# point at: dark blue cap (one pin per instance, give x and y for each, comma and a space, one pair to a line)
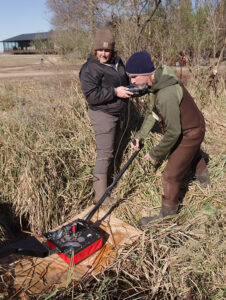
140, 63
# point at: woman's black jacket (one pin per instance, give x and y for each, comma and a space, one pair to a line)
98, 81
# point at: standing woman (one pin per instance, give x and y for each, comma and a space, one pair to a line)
103, 79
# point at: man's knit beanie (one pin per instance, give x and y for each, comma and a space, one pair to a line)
103, 40
140, 63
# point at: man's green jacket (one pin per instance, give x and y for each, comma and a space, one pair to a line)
167, 102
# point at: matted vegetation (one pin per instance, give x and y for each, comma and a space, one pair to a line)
47, 157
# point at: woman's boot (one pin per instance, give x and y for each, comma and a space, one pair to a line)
100, 186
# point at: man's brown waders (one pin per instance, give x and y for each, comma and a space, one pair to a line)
186, 152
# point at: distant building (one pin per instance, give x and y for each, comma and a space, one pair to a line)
29, 43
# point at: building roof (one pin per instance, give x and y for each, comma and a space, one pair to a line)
30, 37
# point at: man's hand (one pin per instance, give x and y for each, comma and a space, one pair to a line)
123, 92
136, 147
148, 157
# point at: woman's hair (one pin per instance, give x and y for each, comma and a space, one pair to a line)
114, 54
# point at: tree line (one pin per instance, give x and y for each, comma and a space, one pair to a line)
164, 28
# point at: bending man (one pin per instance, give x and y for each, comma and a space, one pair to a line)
181, 122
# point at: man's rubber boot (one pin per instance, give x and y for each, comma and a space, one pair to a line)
165, 211
100, 186
203, 177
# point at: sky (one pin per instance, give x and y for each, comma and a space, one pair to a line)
23, 16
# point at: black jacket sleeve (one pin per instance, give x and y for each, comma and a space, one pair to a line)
91, 81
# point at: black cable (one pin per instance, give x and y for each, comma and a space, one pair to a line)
119, 144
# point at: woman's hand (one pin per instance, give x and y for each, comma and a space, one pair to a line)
123, 92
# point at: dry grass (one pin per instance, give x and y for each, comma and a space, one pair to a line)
47, 157
3, 236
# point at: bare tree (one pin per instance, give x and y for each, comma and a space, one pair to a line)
215, 12
129, 20
163, 27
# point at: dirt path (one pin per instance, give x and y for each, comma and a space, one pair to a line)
36, 73
31, 70
15, 72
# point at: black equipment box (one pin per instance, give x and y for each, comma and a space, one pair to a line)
76, 241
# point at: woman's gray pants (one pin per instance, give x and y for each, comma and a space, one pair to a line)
106, 129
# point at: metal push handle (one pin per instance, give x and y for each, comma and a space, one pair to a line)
114, 183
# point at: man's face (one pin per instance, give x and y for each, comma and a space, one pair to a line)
103, 55
142, 80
